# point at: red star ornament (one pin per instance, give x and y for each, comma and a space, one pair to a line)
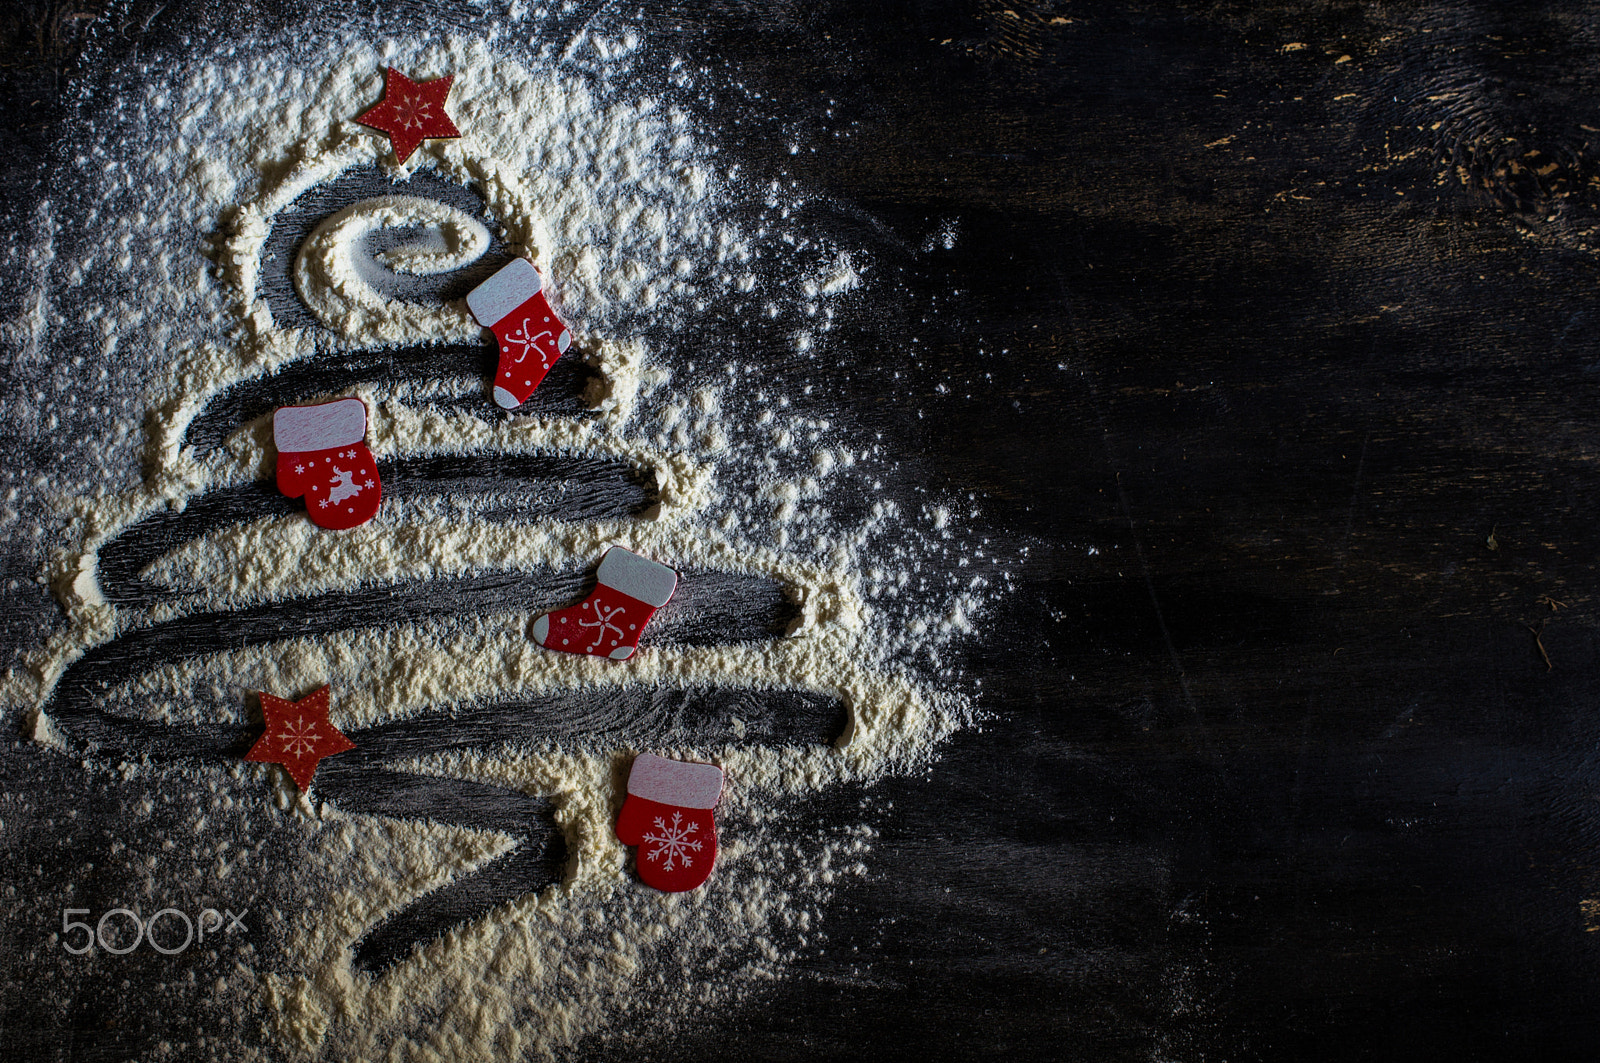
411, 112
298, 735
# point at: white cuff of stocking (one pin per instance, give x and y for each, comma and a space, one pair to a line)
512, 285
649, 581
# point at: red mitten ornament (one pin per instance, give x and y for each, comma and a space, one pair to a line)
668, 816
322, 454
512, 305
609, 622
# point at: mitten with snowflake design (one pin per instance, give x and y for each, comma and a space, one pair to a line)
322, 454
512, 305
609, 622
668, 815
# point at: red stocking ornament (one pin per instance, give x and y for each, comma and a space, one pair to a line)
322, 454
512, 305
609, 622
668, 816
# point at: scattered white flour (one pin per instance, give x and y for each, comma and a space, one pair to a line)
590, 164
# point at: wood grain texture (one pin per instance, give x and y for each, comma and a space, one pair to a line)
1267, 329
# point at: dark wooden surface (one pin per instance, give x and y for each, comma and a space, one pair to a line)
1267, 330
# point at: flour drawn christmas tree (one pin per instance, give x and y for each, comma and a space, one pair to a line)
436, 613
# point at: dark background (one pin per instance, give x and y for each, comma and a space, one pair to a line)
1286, 311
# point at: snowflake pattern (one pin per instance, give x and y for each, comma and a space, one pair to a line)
602, 622
299, 738
528, 341
413, 110
299, 741
673, 841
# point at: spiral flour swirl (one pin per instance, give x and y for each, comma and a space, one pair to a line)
333, 272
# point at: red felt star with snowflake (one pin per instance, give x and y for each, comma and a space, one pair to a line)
298, 735
411, 112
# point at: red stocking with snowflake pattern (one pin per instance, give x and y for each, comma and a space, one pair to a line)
668, 815
512, 305
609, 622
322, 454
